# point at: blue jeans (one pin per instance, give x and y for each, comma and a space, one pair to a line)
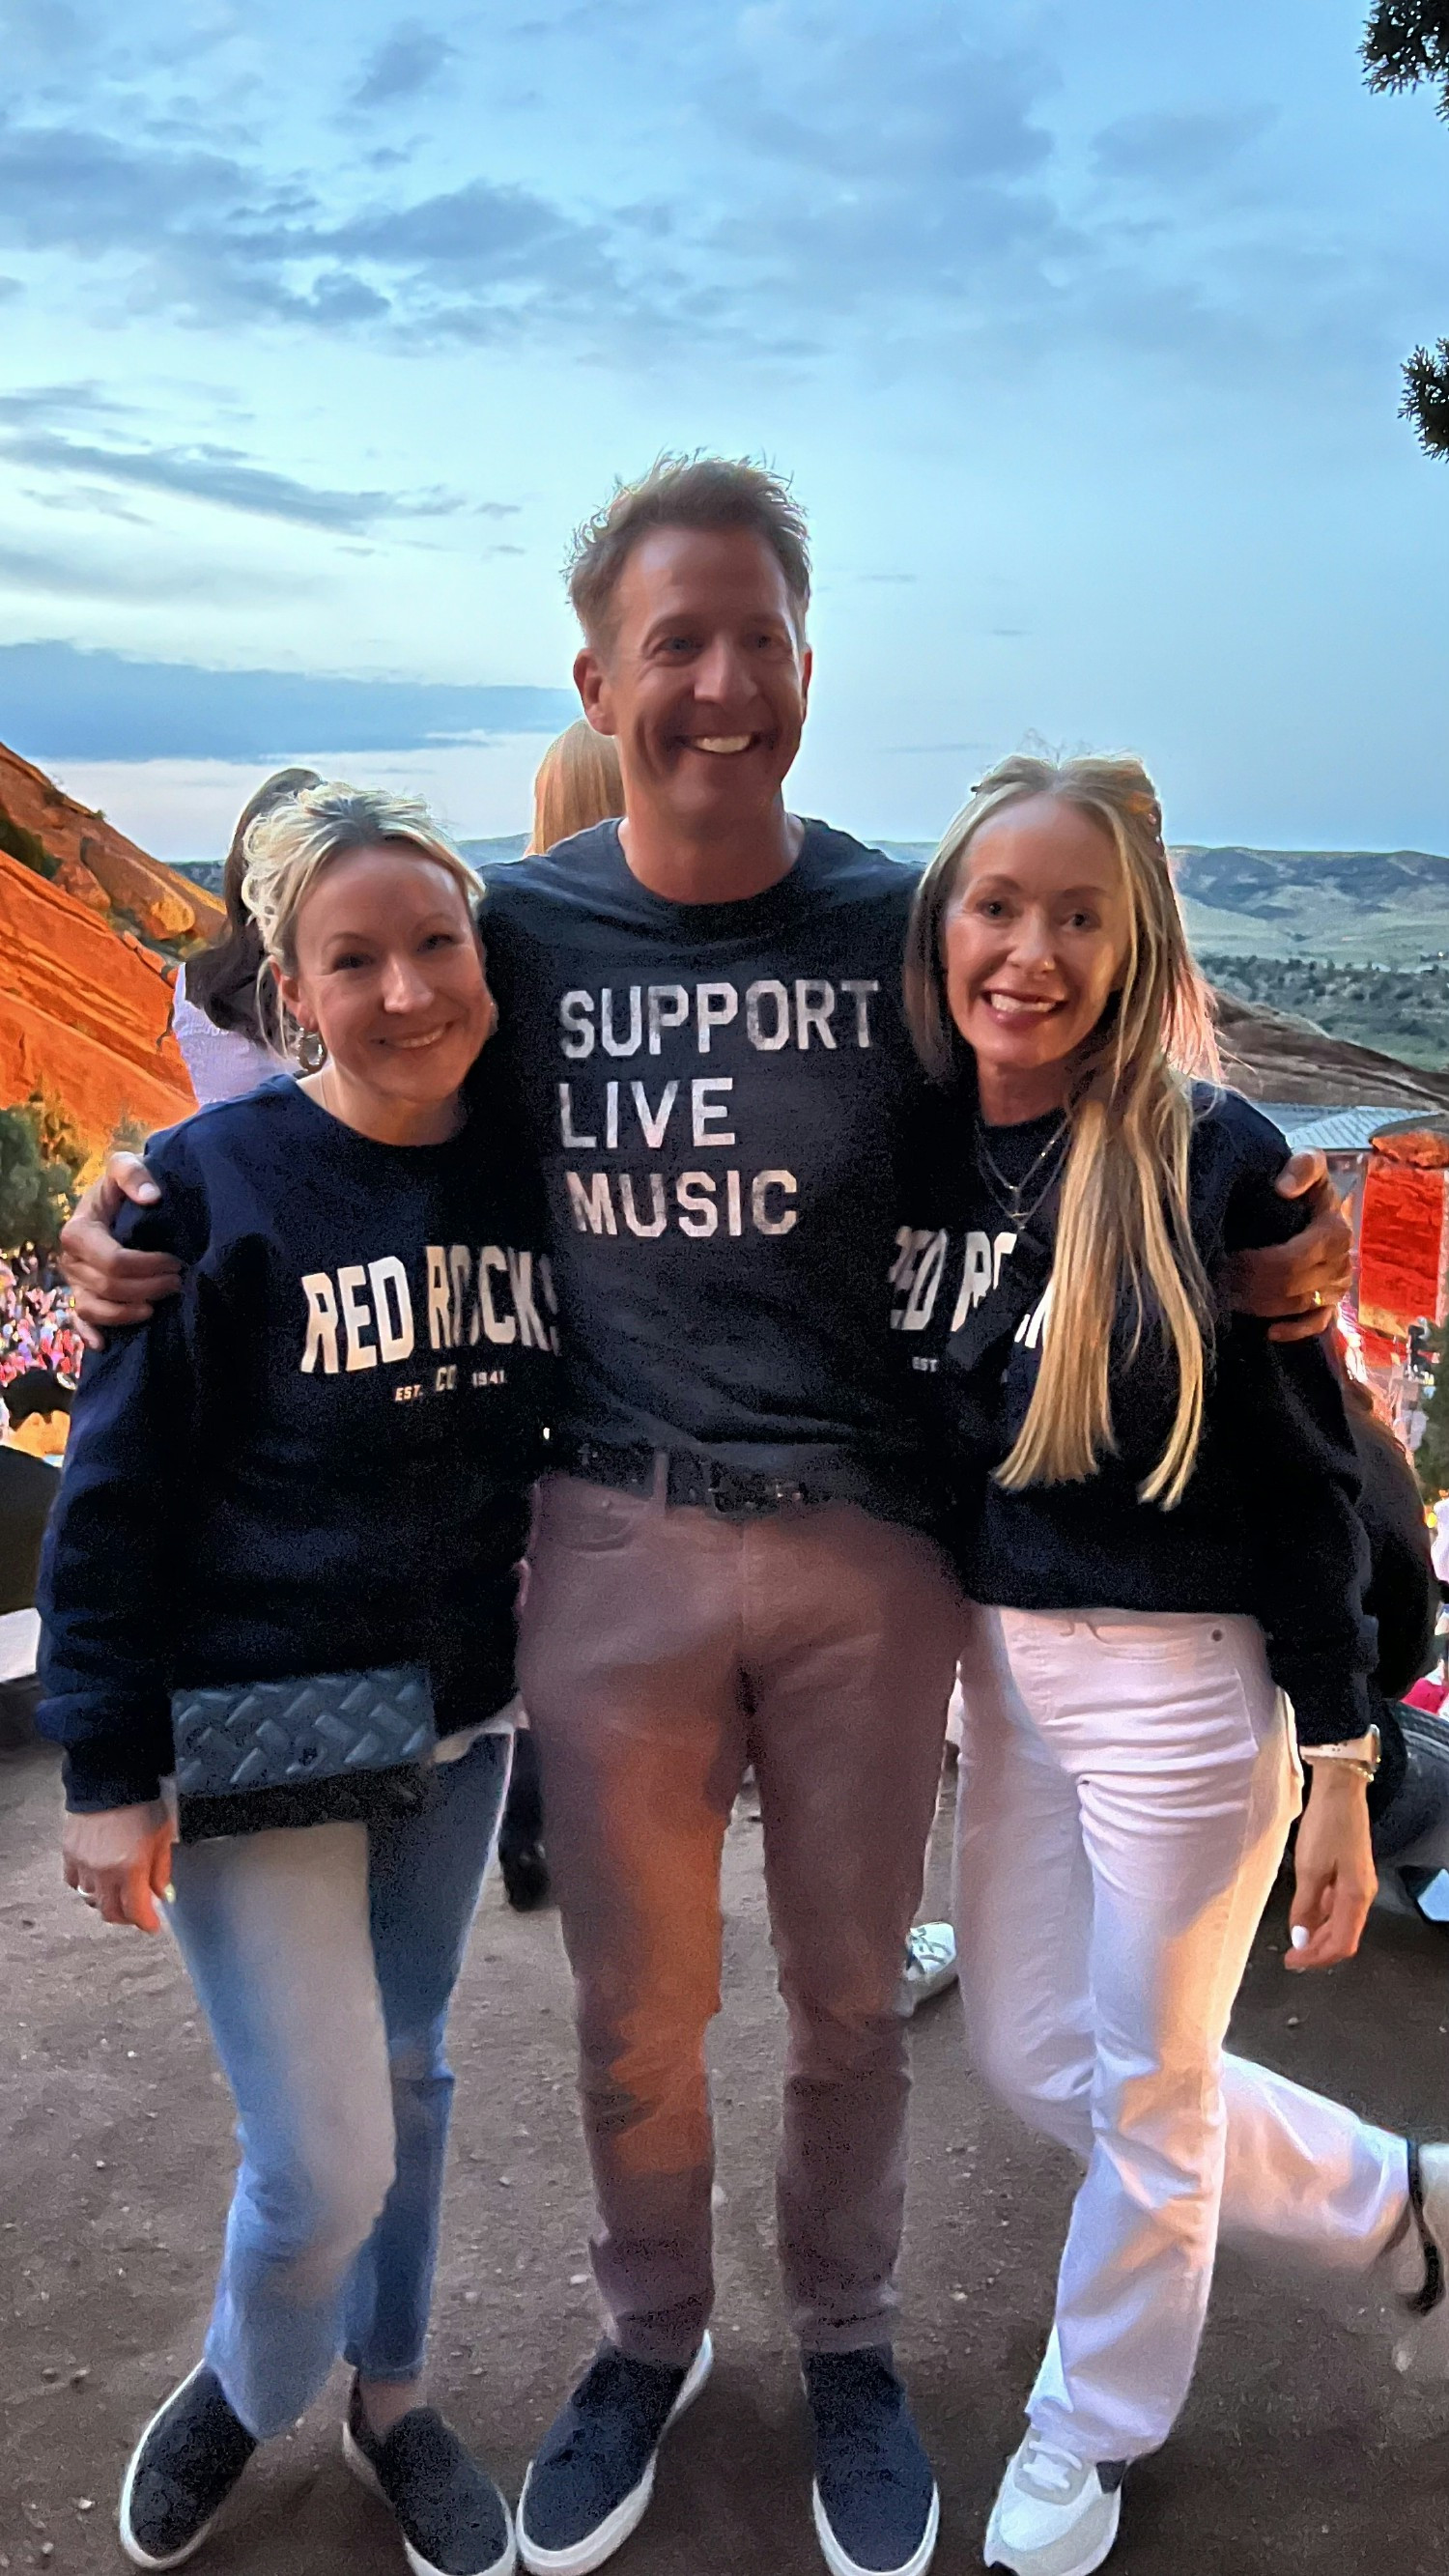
325, 1960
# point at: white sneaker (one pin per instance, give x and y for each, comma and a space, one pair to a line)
1422, 2263
1053, 2515
930, 1964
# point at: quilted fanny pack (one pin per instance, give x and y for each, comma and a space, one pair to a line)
323, 1749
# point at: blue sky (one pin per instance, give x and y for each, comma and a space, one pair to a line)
1079, 330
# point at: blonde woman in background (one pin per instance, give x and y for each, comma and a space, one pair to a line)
578, 783
1155, 1512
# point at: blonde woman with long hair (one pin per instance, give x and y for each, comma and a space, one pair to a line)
1155, 1514
577, 783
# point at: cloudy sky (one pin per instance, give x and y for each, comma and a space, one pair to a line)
1078, 328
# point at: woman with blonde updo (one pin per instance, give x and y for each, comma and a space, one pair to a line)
1155, 1516
279, 1597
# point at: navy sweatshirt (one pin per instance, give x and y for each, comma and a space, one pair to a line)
720, 1096
1268, 1525
317, 1457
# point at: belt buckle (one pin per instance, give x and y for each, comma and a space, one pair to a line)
733, 1497
737, 1497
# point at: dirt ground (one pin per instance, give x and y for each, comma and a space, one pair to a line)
1300, 2448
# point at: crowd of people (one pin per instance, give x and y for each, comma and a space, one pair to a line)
37, 1320
840, 1289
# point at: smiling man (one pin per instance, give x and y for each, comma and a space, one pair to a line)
701, 1031
700, 1007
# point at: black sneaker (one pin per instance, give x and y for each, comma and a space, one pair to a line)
182, 2471
877, 2512
452, 2518
593, 2473
525, 1875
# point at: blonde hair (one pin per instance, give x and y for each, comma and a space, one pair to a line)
578, 782
295, 840
1124, 1225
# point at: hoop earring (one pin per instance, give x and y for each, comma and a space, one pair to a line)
311, 1053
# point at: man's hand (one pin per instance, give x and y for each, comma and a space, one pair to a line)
121, 1862
1335, 1881
113, 1286
1298, 1284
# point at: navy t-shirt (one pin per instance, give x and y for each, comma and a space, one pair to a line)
719, 1096
317, 1457
1267, 1525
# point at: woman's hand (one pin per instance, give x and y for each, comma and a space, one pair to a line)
1335, 1879
1297, 1285
121, 1862
113, 1286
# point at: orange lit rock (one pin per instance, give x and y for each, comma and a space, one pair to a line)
167, 909
83, 1013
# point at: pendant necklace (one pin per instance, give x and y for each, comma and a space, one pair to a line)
1012, 1196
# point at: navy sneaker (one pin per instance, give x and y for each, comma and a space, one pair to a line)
452, 2518
593, 2473
182, 2471
877, 2512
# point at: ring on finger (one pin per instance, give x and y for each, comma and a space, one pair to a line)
1318, 1296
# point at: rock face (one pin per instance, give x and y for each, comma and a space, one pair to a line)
90, 928
1271, 1055
80, 851
84, 1010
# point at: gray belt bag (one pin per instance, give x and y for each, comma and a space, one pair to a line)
326, 1748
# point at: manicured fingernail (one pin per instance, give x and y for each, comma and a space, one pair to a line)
1300, 1936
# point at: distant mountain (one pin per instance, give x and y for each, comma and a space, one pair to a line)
498, 852
1385, 907
1379, 907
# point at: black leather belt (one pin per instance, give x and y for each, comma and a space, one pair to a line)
734, 1493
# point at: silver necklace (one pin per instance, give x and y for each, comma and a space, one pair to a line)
1011, 1196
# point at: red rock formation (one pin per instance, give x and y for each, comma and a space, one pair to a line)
1273, 1055
98, 865
83, 1013
89, 928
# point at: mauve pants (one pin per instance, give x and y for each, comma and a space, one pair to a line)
663, 1651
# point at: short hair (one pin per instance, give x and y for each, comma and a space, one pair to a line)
578, 782
700, 492
35, 1390
290, 845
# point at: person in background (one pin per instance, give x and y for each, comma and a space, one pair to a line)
1439, 1552
577, 784
38, 1410
1156, 1524
215, 1013
36, 1419
1432, 1688
315, 1461
1409, 1799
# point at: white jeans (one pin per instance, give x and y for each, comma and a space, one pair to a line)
1127, 1783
